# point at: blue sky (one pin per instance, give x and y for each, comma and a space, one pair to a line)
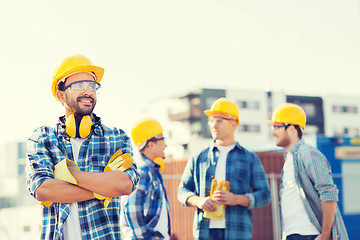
153, 50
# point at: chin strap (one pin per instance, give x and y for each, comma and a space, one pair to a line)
78, 127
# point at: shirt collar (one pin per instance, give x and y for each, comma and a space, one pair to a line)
150, 163
213, 146
295, 148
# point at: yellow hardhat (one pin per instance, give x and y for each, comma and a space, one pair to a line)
222, 105
75, 63
145, 129
289, 113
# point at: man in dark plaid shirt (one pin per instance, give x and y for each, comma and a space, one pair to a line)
308, 194
226, 160
66, 164
146, 211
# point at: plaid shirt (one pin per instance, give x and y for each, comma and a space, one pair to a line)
148, 196
48, 146
246, 176
314, 179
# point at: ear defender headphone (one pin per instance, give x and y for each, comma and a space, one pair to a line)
160, 161
78, 127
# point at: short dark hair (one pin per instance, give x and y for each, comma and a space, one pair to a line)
298, 129
61, 86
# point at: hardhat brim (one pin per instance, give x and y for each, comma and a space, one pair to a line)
208, 113
274, 122
98, 71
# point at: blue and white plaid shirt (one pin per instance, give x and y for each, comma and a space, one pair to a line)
46, 147
246, 175
141, 209
314, 179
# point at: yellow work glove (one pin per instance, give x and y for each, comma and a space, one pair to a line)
46, 203
62, 172
219, 213
118, 162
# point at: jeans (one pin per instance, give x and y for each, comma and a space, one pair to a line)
301, 237
217, 234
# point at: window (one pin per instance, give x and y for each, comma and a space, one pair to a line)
344, 109
26, 229
249, 128
249, 104
350, 131
310, 109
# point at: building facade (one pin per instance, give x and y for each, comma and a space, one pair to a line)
188, 130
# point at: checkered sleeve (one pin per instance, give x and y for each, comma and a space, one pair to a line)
134, 208
40, 165
259, 184
319, 171
186, 187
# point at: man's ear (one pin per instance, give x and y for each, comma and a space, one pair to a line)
293, 129
60, 96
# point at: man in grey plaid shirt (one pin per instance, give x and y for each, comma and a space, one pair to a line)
308, 196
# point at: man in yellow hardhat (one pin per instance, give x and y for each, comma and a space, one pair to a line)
223, 174
145, 212
79, 169
308, 194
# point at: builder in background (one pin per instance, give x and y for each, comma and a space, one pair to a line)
80, 167
145, 212
227, 213
308, 194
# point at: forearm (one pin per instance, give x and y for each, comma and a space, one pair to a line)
242, 200
62, 192
110, 184
193, 201
328, 212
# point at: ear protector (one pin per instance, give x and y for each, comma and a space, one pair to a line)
160, 161
78, 127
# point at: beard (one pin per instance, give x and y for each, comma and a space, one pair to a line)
75, 105
283, 142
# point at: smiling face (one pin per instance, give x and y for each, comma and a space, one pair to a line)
79, 102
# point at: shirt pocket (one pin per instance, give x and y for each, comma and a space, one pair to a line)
97, 163
243, 175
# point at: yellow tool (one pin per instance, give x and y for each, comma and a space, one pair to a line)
219, 213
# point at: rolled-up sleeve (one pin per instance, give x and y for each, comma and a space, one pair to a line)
319, 171
39, 167
260, 195
186, 187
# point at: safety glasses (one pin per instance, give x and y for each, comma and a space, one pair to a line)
82, 86
218, 120
276, 127
154, 139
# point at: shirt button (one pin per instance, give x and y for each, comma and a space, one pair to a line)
212, 176
103, 162
214, 163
